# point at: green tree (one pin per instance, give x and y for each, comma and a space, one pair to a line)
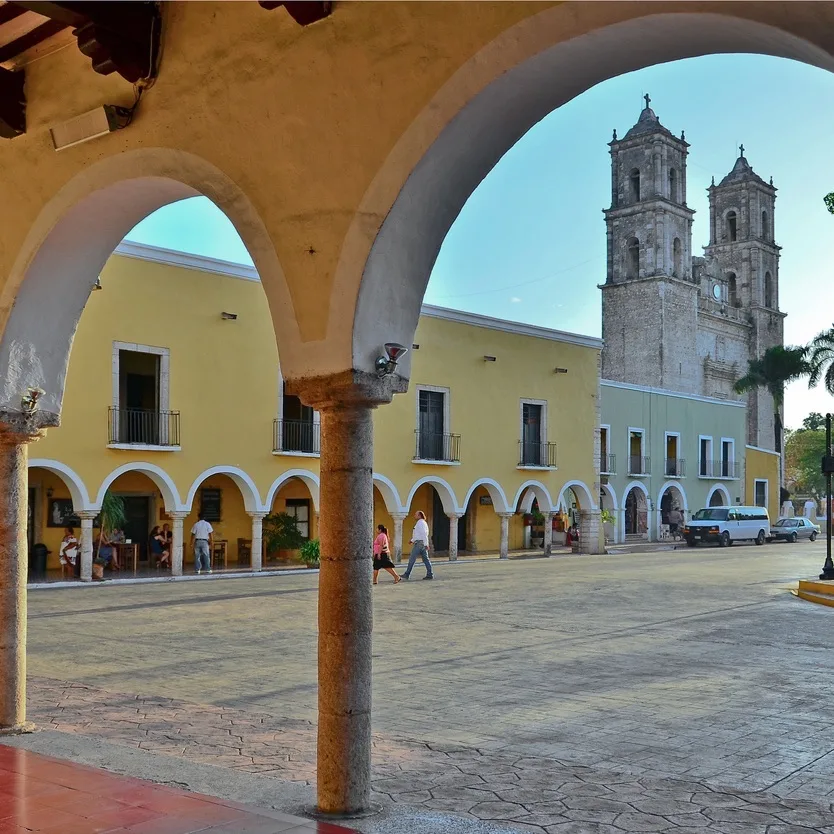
804, 449
821, 360
829, 201
814, 421
777, 367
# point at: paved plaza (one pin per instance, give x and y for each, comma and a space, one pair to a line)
681, 690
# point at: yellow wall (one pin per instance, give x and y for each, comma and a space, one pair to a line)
761, 464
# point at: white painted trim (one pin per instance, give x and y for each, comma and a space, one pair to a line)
447, 406
538, 490
642, 432
659, 515
607, 383
446, 493
251, 497
766, 482
607, 427
732, 442
528, 466
164, 355
143, 447
619, 517
187, 260
584, 486
78, 491
310, 479
159, 476
519, 328
542, 426
496, 492
711, 451
766, 451
390, 494
296, 454
423, 462
678, 456
722, 489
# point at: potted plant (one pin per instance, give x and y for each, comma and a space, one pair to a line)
310, 553
281, 533
112, 517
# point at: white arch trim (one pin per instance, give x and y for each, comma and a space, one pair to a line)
444, 490
305, 475
723, 490
78, 491
159, 476
251, 496
679, 487
612, 494
390, 494
640, 487
619, 519
592, 504
530, 490
496, 492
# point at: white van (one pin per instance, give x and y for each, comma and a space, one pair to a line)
726, 525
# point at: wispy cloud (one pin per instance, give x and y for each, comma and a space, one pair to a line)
515, 300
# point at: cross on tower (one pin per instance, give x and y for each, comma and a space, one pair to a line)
648, 100
741, 149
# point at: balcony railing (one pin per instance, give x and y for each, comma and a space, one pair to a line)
722, 469
301, 436
675, 468
442, 447
639, 465
536, 454
138, 427
608, 465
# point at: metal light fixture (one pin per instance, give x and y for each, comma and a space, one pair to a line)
97, 285
490, 359
560, 370
387, 364
228, 316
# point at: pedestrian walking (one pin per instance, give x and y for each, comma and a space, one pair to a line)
202, 540
675, 520
419, 546
382, 555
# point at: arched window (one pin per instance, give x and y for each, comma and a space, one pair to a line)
633, 258
732, 226
768, 299
732, 290
634, 179
677, 258
765, 229
673, 185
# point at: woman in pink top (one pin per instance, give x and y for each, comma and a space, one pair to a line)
382, 555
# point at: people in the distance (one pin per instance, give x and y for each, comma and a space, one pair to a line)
675, 519
159, 553
168, 536
106, 553
420, 546
202, 541
382, 555
68, 553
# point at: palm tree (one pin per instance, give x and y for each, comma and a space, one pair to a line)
820, 355
112, 514
778, 366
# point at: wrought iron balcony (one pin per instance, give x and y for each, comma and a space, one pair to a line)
721, 469
536, 454
139, 427
608, 465
302, 436
675, 468
440, 447
639, 465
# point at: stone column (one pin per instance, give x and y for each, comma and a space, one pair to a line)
548, 534
590, 529
257, 540
453, 536
504, 550
177, 518
17, 430
86, 517
398, 518
345, 612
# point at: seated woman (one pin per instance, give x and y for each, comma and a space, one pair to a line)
159, 548
68, 553
106, 554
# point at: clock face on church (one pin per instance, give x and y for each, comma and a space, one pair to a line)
716, 292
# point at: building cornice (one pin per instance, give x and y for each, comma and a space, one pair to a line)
171, 257
765, 451
645, 389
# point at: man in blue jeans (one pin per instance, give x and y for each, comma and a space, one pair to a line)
419, 546
202, 539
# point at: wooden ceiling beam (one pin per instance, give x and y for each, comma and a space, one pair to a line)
12, 104
303, 12
30, 39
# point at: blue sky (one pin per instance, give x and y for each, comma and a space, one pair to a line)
530, 243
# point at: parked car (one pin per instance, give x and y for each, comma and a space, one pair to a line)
791, 529
726, 525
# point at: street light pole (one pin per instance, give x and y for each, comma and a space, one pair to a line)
827, 470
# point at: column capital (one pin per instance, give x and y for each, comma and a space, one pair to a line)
399, 516
18, 427
261, 514
505, 515
346, 389
177, 515
87, 515
454, 516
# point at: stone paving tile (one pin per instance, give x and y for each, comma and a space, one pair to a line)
523, 792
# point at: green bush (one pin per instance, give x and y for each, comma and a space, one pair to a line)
280, 532
310, 552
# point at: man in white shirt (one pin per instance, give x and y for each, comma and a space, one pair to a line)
420, 546
202, 540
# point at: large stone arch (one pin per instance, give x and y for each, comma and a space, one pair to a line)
444, 490
528, 71
583, 488
528, 491
159, 476
390, 494
718, 489
75, 485
76, 232
308, 478
496, 492
251, 497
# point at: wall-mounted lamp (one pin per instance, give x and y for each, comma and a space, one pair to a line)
49, 492
415, 347
489, 359
387, 364
97, 285
228, 316
560, 370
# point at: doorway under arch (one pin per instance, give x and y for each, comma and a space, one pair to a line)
672, 496
637, 512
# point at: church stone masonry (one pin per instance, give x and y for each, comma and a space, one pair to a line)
677, 322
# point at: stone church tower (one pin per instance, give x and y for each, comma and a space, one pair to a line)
678, 322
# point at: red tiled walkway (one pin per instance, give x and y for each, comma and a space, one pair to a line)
39, 793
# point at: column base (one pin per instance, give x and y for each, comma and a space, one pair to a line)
18, 729
371, 811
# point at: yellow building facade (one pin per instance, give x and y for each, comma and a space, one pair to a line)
762, 479
175, 401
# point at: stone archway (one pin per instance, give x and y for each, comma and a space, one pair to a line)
671, 496
637, 512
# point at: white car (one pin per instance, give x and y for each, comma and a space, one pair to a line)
791, 529
726, 525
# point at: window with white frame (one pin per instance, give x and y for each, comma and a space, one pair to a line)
760, 487
638, 463
606, 459
298, 427
533, 433
299, 509
728, 457
674, 464
705, 456
434, 440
